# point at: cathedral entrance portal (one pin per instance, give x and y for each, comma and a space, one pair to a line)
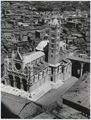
17, 79
24, 84
11, 80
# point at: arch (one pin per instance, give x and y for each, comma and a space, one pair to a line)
37, 34
3, 82
86, 68
11, 80
76, 67
24, 82
26, 70
17, 79
51, 78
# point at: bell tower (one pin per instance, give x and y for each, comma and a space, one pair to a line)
54, 40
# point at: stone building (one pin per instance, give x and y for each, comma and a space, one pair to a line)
60, 70
26, 72
30, 71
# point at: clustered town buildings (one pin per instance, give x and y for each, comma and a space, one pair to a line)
41, 50
19, 30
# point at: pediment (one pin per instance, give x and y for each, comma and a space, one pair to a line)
18, 56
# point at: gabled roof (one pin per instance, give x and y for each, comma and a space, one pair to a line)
18, 56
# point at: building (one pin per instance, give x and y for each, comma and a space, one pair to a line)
56, 64
25, 71
31, 73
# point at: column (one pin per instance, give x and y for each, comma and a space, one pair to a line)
14, 80
81, 69
21, 83
7, 82
28, 87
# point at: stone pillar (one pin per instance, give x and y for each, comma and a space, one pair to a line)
21, 83
14, 80
82, 64
7, 81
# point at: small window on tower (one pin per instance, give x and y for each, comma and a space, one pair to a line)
53, 28
52, 40
57, 44
53, 35
51, 55
52, 51
52, 46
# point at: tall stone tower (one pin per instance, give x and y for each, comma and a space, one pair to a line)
54, 42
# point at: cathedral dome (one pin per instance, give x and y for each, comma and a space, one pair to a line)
42, 44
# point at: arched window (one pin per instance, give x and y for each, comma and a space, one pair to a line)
24, 84
17, 79
26, 70
51, 78
11, 80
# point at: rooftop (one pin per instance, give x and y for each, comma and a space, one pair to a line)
67, 112
42, 44
32, 56
40, 67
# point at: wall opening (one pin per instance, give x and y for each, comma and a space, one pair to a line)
24, 84
17, 82
3, 82
86, 68
11, 80
37, 34
51, 78
76, 69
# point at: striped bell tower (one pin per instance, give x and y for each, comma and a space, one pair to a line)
54, 42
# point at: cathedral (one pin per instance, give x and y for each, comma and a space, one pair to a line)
30, 71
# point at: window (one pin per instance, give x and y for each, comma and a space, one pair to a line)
52, 51
51, 55
26, 70
62, 69
10, 66
53, 35
18, 66
52, 40
37, 34
43, 74
41, 60
66, 69
58, 70
52, 70
52, 46
57, 44
58, 34
51, 78
53, 28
